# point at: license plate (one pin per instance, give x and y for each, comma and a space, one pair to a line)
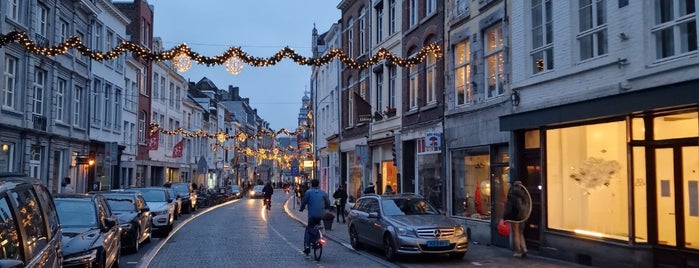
438, 243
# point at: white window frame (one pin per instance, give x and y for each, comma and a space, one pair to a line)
39, 87
379, 91
108, 104
9, 89
350, 38
63, 30
171, 95
13, 9
118, 107
494, 80
162, 90
60, 99
413, 87
77, 54
669, 34
96, 96
392, 16
595, 37
431, 77
109, 40
462, 64
362, 32
142, 128
379, 23
42, 18
99, 42
541, 55
156, 80
77, 102
350, 108
178, 97
392, 78
412, 13
430, 6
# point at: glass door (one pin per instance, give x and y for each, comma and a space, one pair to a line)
677, 196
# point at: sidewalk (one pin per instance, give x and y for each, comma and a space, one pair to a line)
477, 254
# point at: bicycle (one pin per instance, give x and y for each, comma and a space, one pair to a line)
317, 241
268, 203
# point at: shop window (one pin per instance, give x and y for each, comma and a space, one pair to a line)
430, 183
587, 188
638, 129
639, 195
6, 152
471, 184
676, 126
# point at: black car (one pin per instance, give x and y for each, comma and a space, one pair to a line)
188, 194
30, 230
91, 233
134, 217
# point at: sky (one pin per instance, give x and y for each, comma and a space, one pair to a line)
261, 28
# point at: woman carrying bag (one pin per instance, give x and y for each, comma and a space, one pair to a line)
517, 210
340, 196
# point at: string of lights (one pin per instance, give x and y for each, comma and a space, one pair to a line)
222, 136
182, 54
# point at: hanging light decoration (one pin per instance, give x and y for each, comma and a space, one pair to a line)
182, 62
234, 65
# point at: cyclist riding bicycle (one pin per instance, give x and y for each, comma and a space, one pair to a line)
268, 191
317, 201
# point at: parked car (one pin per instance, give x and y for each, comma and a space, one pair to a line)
161, 207
256, 191
177, 200
236, 191
30, 230
404, 224
188, 194
134, 217
91, 233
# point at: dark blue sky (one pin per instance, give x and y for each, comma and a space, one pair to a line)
261, 28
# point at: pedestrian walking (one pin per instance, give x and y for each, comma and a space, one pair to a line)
517, 210
340, 196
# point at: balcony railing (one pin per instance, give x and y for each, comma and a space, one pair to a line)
41, 40
39, 122
460, 8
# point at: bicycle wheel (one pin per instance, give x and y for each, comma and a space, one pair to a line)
317, 251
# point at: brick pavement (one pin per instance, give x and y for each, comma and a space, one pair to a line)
478, 254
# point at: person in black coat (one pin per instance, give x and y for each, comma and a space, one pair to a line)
516, 214
370, 189
340, 196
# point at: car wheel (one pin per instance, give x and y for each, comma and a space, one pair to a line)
136, 239
457, 255
354, 238
389, 248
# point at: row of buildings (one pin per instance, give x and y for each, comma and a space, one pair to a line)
591, 104
72, 116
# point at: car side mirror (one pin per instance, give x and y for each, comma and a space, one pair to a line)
11, 263
110, 222
374, 215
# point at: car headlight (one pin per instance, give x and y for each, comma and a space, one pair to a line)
82, 257
156, 213
459, 230
406, 232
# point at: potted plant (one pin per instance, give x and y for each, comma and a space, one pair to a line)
328, 220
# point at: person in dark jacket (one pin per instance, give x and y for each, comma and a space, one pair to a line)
516, 214
340, 196
370, 189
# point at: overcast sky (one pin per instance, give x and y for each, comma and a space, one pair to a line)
261, 28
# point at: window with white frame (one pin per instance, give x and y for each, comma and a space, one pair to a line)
142, 82
109, 39
413, 86
462, 72
132, 97
99, 42
412, 13
362, 32
542, 36
63, 30
430, 6
593, 28
392, 77
379, 23
675, 28
13, 7
77, 54
156, 79
42, 17
142, 128
9, 88
379, 91
107, 105
431, 77
350, 108
363, 92
350, 38
117, 107
171, 96
60, 99
494, 62
77, 102
38, 92
96, 108
162, 89
392, 16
